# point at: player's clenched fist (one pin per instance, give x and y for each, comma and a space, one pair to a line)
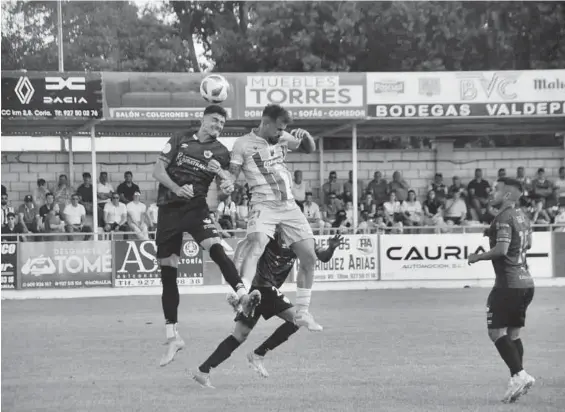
186, 191
299, 133
214, 166
227, 186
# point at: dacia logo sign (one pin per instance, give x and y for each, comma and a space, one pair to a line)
59, 84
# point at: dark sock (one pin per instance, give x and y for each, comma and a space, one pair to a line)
509, 354
277, 338
226, 265
222, 352
520, 349
170, 296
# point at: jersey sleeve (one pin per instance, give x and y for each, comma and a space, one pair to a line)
170, 149
503, 231
238, 151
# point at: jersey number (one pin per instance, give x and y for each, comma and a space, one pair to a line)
280, 295
523, 245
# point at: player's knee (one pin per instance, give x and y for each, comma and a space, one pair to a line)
241, 334
256, 247
513, 333
496, 334
171, 261
218, 253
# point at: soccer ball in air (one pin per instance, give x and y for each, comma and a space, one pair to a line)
214, 88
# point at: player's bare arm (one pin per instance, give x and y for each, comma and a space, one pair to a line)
235, 170
161, 175
307, 142
499, 250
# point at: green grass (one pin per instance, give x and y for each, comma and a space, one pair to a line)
386, 350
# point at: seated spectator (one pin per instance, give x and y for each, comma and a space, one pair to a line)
393, 216
153, 214
501, 173
559, 186
75, 218
542, 195
378, 187
127, 188
104, 195
349, 216
45, 209
329, 211
54, 223
85, 193
313, 214
433, 210
340, 223
368, 204
366, 224
299, 188
526, 181
115, 215
479, 191
455, 210
560, 219
439, 188
348, 187
40, 192
399, 186
63, 192
242, 212
12, 229
226, 213
412, 210
6, 208
29, 216
222, 232
347, 196
457, 187
137, 217
331, 186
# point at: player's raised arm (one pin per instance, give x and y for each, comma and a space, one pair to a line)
237, 158
299, 140
324, 255
160, 173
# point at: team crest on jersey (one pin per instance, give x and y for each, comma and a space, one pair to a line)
191, 248
207, 154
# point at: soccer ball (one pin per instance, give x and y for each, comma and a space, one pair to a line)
214, 88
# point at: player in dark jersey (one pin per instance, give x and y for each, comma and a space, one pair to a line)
273, 268
510, 236
185, 169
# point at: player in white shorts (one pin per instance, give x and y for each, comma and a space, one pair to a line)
261, 155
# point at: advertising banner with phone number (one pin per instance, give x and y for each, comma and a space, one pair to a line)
136, 264
9, 265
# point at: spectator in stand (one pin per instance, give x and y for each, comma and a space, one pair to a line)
455, 210
313, 214
104, 190
542, 191
329, 211
368, 204
6, 209
331, 186
12, 229
4, 192
226, 213
479, 192
347, 197
521, 177
29, 216
340, 223
153, 214
349, 215
560, 187
393, 215
242, 212
348, 186
54, 223
439, 188
378, 187
127, 188
457, 187
40, 192
223, 233
366, 225
501, 173
115, 215
399, 186
299, 188
412, 210
75, 218
137, 217
45, 209
560, 219
433, 210
63, 192
85, 193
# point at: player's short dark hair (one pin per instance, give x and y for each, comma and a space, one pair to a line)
216, 109
508, 181
276, 112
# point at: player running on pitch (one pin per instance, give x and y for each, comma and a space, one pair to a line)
184, 176
261, 155
272, 270
510, 236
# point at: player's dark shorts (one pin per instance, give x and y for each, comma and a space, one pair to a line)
272, 303
506, 308
175, 219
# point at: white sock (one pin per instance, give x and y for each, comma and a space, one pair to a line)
171, 330
303, 299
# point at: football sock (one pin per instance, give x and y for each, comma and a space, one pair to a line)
303, 297
170, 296
171, 330
520, 348
222, 352
509, 354
277, 338
227, 267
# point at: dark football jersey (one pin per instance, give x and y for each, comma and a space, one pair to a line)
275, 264
513, 227
187, 159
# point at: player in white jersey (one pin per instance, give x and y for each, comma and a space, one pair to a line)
261, 156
